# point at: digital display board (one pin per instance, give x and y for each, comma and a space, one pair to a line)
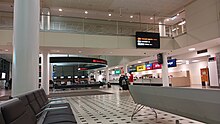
156, 65
149, 66
147, 40
117, 71
141, 68
171, 63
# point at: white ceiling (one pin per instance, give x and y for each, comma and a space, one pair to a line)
142, 10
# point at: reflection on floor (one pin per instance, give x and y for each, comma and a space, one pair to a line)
117, 109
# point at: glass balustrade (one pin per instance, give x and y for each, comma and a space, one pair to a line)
94, 26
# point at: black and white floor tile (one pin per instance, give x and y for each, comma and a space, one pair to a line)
117, 109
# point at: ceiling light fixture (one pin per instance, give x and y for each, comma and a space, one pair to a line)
168, 20
173, 18
109, 14
60, 10
178, 14
116, 67
192, 49
86, 12
151, 18
195, 61
187, 62
131, 16
6, 50
80, 51
182, 23
139, 61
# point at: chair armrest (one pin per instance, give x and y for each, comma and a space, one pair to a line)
55, 108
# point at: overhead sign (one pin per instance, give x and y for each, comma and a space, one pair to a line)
117, 71
147, 40
149, 66
132, 69
141, 68
156, 65
171, 63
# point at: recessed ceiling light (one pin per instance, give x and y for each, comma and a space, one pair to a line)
173, 18
192, 49
187, 62
182, 23
57, 51
60, 10
195, 61
179, 63
179, 60
167, 19
131, 16
139, 61
86, 12
116, 67
6, 50
151, 18
178, 14
109, 14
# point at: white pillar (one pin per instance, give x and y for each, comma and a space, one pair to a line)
25, 46
162, 28
50, 71
96, 76
165, 78
45, 71
125, 69
45, 19
107, 75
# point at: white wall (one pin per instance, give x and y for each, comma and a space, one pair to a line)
193, 68
202, 22
56, 39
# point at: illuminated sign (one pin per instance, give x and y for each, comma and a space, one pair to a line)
149, 66
171, 63
81, 69
147, 40
98, 61
117, 71
156, 65
141, 68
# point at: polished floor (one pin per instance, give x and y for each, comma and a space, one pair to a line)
117, 108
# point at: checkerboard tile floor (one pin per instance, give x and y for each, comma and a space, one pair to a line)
117, 109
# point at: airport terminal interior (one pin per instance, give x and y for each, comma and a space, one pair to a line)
109, 61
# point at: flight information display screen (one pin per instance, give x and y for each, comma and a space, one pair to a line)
147, 40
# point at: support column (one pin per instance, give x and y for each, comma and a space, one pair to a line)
125, 69
50, 71
162, 28
45, 71
107, 75
165, 78
45, 19
25, 46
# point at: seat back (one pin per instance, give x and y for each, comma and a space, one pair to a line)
43, 95
2, 121
14, 112
33, 103
39, 99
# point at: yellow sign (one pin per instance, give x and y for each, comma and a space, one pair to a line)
141, 68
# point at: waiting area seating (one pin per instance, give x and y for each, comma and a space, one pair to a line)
198, 104
35, 108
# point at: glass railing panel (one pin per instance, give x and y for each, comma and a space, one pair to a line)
65, 24
92, 26
6, 20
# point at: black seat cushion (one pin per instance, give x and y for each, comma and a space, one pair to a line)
2, 121
39, 99
59, 119
33, 103
24, 100
14, 112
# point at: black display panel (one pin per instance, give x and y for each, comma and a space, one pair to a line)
147, 40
